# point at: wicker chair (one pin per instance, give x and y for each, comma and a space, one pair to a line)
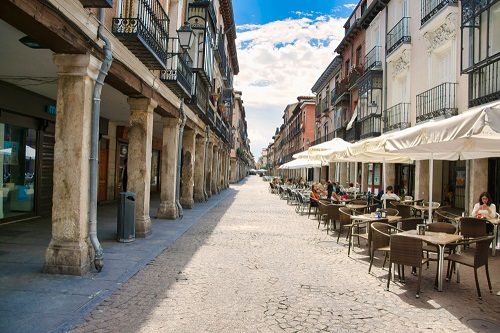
479, 259
322, 217
440, 227
380, 239
391, 203
333, 215
411, 223
405, 211
391, 211
344, 220
371, 208
406, 251
471, 227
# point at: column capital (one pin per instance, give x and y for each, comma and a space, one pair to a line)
77, 65
142, 104
171, 122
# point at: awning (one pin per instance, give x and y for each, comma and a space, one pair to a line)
353, 118
319, 152
471, 135
301, 163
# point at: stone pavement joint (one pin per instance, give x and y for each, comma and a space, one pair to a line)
252, 264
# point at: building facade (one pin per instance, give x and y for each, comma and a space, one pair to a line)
407, 62
165, 113
241, 159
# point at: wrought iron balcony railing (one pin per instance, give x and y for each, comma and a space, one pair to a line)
370, 127
398, 35
484, 83
353, 134
342, 88
355, 73
178, 76
372, 58
317, 112
429, 8
339, 119
324, 104
143, 28
323, 138
436, 102
199, 99
396, 117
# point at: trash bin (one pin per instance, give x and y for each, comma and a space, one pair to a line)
125, 229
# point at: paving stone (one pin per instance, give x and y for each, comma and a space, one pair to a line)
252, 264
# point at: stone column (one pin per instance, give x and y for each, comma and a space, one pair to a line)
208, 178
343, 174
223, 170
187, 175
214, 170
364, 177
199, 169
140, 136
422, 180
168, 172
69, 251
478, 181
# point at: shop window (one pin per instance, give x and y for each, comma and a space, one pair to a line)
18, 159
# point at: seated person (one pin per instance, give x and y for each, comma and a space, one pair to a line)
388, 195
331, 192
352, 188
484, 208
314, 196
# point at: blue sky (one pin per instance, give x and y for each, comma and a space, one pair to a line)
283, 47
265, 11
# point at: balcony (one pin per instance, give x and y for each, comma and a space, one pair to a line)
324, 138
397, 117
370, 127
324, 104
317, 112
339, 119
178, 75
398, 35
202, 12
342, 88
143, 29
484, 83
199, 99
439, 101
430, 8
372, 59
353, 134
355, 73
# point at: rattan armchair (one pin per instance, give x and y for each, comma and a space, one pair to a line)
406, 251
405, 211
477, 260
380, 239
344, 221
410, 223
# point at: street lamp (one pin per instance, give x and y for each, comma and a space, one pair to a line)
186, 36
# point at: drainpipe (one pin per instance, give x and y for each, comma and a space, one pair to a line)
94, 144
182, 116
207, 136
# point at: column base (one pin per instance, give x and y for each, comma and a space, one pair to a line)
199, 197
70, 258
187, 203
143, 226
167, 210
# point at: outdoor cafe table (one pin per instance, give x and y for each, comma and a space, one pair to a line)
370, 217
355, 206
440, 239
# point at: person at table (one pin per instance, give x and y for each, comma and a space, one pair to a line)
484, 208
314, 196
389, 195
330, 192
352, 188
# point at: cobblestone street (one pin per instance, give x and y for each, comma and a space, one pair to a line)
254, 265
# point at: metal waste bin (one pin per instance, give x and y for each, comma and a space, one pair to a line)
125, 229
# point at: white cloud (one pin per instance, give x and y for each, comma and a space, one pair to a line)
279, 61
350, 6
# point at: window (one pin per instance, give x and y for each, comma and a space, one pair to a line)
347, 67
358, 56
